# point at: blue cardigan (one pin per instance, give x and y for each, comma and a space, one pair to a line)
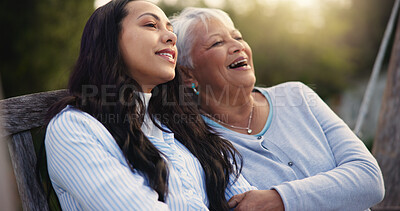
308, 154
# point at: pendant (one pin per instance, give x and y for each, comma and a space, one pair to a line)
249, 131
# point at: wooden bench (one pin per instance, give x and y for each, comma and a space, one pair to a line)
19, 116
22, 114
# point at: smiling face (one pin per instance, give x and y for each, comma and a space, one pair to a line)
147, 44
221, 58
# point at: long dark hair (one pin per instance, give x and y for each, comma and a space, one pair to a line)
100, 86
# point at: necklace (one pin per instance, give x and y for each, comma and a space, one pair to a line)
248, 129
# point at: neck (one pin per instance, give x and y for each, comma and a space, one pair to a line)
147, 91
147, 88
236, 99
229, 106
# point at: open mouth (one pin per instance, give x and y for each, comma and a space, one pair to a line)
168, 54
238, 63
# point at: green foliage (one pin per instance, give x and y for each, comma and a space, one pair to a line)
41, 43
327, 46
289, 46
326, 49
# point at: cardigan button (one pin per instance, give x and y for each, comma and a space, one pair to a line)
290, 163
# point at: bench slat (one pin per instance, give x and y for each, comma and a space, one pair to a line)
23, 159
28, 111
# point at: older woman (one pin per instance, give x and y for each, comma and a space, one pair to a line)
295, 147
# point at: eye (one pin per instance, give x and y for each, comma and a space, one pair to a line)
239, 38
152, 25
217, 43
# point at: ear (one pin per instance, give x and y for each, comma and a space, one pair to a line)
187, 76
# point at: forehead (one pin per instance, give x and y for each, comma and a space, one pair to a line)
137, 8
203, 30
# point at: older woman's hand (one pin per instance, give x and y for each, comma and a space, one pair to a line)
257, 200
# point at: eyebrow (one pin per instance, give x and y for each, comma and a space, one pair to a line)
151, 14
218, 34
154, 16
213, 35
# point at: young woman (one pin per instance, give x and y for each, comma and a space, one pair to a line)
116, 143
295, 148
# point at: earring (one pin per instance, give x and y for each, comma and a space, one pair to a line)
194, 89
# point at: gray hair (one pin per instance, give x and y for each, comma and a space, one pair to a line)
184, 24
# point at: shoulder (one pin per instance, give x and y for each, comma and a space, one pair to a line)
73, 130
72, 122
71, 115
292, 89
286, 86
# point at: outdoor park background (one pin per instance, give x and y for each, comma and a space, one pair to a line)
328, 44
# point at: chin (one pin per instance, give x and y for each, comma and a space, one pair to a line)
169, 77
172, 75
246, 81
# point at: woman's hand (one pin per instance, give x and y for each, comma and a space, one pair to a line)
257, 200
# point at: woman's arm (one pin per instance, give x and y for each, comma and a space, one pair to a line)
86, 165
238, 186
355, 184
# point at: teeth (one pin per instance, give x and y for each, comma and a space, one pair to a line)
167, 54
234, 64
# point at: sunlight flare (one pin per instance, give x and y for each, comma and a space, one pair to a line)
99, 3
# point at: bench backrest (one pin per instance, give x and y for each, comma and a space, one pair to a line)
19, 116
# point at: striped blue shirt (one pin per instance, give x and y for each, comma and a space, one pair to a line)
89, 172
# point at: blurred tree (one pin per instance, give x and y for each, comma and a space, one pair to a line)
170, 9
387, 140
288, 45
40, 43
368, 21
326, 45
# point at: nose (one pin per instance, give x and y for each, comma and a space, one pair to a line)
236, 46
169, 37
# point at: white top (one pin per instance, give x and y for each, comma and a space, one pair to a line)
148, 127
